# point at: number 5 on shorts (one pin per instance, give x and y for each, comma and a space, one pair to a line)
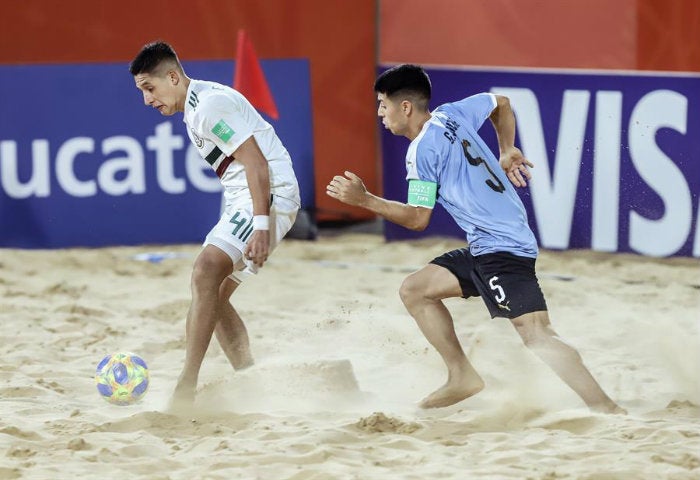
500, 294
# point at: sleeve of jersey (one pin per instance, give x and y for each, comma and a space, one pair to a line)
223, 123
477, 108
422, 178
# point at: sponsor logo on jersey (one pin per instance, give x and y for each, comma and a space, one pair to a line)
193, 100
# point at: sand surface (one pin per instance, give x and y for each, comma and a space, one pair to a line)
340, 367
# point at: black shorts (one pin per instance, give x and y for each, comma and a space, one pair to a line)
506, 282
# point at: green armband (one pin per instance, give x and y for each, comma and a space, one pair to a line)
422, 193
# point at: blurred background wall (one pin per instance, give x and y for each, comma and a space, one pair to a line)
607, 96
338, 38
595, 34
346, 43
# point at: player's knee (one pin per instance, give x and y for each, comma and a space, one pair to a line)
411, 289
226, 289
532, 328
209, 271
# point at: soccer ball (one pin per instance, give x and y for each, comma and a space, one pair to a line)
122, 378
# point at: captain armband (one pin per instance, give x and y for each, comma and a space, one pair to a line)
422, 193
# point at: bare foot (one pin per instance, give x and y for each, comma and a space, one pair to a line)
453, 391
618, 410
609, 407
238, 353
244, 359
183, 396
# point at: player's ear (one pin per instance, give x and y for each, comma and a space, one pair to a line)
406, 107
174, 77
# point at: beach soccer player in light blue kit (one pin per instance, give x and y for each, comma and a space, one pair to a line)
448, 163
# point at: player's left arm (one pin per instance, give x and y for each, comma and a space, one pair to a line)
512, 160
350, 189
257, 173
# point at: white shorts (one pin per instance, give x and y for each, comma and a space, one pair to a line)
235, 228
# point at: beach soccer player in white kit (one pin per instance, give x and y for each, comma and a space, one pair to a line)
260, 190
447, 162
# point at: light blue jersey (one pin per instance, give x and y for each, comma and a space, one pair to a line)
470, 183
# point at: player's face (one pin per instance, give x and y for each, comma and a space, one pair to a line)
159, 92
392, 114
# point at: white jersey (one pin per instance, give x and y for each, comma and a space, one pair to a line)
219, 119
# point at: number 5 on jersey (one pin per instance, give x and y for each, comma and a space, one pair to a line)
494, 182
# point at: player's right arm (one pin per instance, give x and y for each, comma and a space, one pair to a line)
511, 158
350, 189
258, 176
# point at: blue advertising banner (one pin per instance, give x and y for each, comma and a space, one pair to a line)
617, 157
84, 163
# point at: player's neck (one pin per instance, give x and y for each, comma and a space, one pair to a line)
416, 126
183, 97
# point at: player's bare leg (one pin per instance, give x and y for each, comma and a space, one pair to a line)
538, 335
211, 268
422, 294
230, 329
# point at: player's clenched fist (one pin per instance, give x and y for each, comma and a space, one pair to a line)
348, 189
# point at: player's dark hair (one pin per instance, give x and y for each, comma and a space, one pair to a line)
152, 56
405, 80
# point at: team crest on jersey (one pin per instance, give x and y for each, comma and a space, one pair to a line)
197, 140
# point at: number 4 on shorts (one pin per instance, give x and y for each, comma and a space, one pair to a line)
243, 226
